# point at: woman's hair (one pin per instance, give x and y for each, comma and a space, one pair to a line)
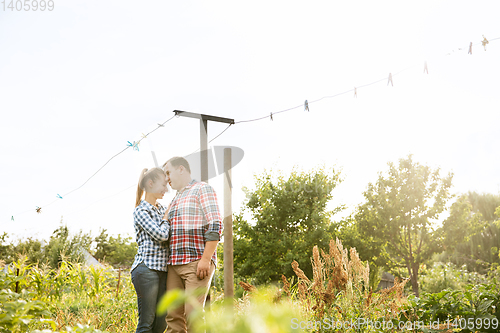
177, 161
153, 174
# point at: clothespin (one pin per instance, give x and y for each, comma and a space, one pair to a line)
12, 218
161, 125
484, 42
271, 115
390, 80
144, 136
306, 106
470, 48
426, 70
59, 196
355, 92
134, 145
38, 209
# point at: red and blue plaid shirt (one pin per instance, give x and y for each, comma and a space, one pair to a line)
194, 220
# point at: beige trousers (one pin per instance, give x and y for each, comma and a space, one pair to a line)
184, 277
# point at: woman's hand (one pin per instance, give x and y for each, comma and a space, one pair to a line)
165, 217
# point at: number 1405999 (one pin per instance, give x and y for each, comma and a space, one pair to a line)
27, 5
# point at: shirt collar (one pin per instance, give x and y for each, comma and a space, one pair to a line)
189, 185
147, 204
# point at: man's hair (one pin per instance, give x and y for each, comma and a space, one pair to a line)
178, 161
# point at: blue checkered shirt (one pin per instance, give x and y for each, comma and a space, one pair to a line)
151, 234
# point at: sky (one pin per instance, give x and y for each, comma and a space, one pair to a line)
78, 82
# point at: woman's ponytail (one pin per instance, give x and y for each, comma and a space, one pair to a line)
140, 188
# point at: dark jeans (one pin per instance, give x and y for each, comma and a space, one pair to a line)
150, 285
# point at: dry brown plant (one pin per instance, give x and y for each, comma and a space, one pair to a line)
318, 272
340, 286
286, 285
300, 273
247, 287
338, 274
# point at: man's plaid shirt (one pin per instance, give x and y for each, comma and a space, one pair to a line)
195, 219
151, 234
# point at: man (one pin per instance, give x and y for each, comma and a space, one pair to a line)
196, 227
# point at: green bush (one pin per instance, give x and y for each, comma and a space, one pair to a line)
475, 308
443, 276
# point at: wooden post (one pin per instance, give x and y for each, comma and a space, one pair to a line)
228, 228
204, 157
203, 151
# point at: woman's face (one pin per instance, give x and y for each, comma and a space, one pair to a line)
158, 187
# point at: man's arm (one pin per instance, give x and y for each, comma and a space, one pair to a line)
203, 269
208, 202
210, 209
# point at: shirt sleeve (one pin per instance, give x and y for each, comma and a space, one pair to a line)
158, 232
208, 202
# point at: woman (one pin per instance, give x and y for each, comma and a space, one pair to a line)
149, 270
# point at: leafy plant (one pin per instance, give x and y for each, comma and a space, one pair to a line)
447, 276
59, 299
476, 308
17, 314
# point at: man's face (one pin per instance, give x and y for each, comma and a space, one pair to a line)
173, 175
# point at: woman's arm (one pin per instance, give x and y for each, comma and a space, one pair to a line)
159, 232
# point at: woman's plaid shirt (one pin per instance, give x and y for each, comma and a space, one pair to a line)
195, 219
151, 234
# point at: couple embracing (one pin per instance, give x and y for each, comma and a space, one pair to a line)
176, 245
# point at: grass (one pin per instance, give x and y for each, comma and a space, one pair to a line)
91, 300
73, 295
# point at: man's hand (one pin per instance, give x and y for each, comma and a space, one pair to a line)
203, 269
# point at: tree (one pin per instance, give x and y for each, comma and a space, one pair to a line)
484, 203
471, 233
62, 246
462, 224
289, 218
116, 251
5, 249
399, 210
31, 248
